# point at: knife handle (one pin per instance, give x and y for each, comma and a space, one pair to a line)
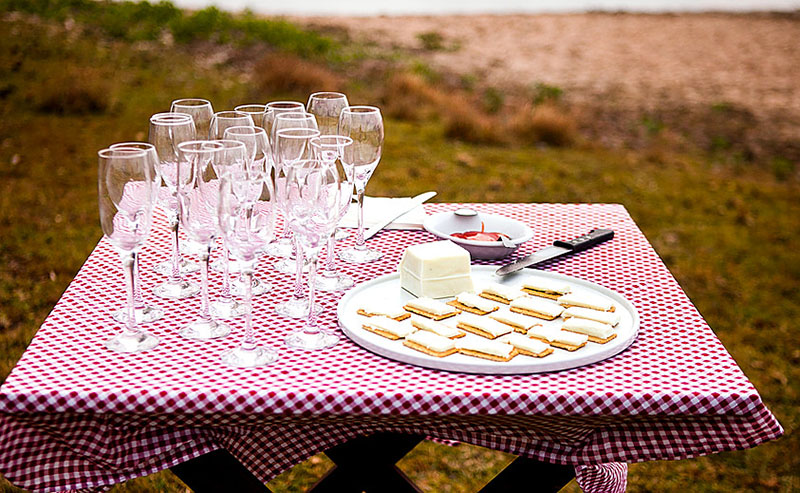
583, 242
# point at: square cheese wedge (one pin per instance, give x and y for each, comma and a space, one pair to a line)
437, 269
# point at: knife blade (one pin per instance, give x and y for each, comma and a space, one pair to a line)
557, 249
416, 201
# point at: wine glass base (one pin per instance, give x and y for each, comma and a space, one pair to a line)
288, 266
132, 343
186, 267
260, 287
355, 256
177, 290
279, 248
296, 308
226, 309
340, 234
337, 282
248, 358
234, 266
205, 329
311, 342
143, 314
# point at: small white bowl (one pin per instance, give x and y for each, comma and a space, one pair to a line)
444, 224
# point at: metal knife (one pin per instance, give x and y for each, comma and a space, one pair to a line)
559, 248
416, 201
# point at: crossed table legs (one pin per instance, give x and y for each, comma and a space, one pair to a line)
363, 464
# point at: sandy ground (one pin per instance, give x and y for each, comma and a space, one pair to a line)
749, 61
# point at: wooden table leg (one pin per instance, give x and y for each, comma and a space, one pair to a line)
367, 464
218, 471
530, 475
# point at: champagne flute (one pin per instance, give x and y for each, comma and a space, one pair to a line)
311, 193
297, 119
363, 124
292, 145
200, 111
144, 312
283, 246
326, 107
255, 161
330, 148
198, 196
256, 111
246, 210
221, 121
126, 211
167, 130
228, 159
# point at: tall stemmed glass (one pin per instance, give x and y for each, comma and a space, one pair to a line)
256, 111
292, 145
297, 119
167, 130
144, 312
229, 158
126, 211
199, 198
246, 218
200, 110
312, 192
256, 160
326, 107
330, 148
282, 246
363, 124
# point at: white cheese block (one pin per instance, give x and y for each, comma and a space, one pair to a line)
429, 340
485, 324
547, 285
588, 327
586, 301
502, 291
552, 334
430, 305
514, 319
539, 305
390, 325
495, 348
438, 328
524, 342
475, 301
437, 269
610, 318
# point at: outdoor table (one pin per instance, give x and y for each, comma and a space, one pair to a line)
74, 415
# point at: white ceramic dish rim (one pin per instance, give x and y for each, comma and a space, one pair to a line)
428, 225
627, 331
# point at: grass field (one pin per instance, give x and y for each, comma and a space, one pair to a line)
728, 228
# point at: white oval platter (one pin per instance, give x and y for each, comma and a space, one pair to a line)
387, 288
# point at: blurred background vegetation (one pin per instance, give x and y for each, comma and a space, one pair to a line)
718, 200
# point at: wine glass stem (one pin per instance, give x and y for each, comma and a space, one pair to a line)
138, 300
298, 278
128, 262
175, 276
226, 273
205, 314
249, 342
330, 257
360, 237
311, 324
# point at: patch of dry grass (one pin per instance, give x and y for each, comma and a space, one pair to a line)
544, 123
288, 74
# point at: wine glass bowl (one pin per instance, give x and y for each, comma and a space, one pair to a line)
326, 107
200, 110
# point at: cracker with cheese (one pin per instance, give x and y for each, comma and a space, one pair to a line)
387, 327
597, 332
482, 326
430, 344
537, 307
431, 308
486, 349
472, 303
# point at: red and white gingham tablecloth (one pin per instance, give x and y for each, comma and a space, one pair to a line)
74, 415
